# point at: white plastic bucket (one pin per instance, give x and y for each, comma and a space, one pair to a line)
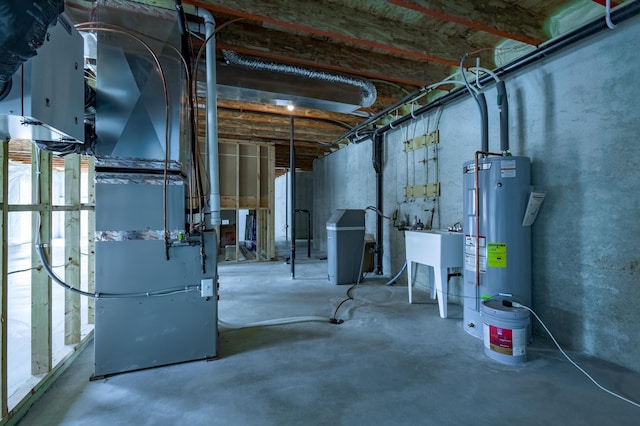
504, 332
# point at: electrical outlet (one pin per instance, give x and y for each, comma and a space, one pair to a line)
206, 287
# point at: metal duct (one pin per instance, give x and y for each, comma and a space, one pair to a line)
368, 89
131, 119
212, 116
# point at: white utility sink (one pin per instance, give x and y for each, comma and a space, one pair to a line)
440, 249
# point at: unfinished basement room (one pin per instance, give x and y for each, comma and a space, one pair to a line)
319, 212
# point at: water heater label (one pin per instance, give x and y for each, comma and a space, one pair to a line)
497, 255
508, 168
505, 340
470, 253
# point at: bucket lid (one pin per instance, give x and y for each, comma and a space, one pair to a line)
495, 307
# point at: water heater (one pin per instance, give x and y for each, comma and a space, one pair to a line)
496, 242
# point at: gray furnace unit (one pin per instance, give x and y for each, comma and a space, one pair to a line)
345, 245
159, 268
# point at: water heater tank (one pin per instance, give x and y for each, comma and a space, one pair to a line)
501, 241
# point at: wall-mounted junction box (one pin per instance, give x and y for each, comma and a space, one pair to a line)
206, 287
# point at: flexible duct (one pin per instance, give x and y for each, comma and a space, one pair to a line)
212, 116
368, 89
503, 105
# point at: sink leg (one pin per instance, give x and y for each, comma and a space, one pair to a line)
432, 282
441, 290
410, 279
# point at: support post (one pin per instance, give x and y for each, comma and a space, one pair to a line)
271, 181
378, 140
292, 168
4, 247
91, 239
308, 213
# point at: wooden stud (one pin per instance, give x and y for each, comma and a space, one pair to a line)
41, 348
72, 248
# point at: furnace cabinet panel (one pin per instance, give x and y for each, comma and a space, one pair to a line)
134, 333
137, 333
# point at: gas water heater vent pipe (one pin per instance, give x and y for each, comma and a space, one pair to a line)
484, 118
503, 105
212, 115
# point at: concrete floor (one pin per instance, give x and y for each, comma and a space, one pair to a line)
389, 363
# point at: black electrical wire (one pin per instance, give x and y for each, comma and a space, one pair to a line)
334, 319
375, 209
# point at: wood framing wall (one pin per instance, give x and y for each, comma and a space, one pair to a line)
45, 364
247, 182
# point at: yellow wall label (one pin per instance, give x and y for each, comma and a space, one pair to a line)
497, 255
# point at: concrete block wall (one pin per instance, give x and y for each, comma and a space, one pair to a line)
575, 115
304, 201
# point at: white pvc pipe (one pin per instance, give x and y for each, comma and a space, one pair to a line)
279, 321
610, 24
212, 116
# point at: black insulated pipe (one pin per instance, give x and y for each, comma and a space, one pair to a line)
182, 22
484, 119
378, 143
503, 106
308, 213
292, 169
